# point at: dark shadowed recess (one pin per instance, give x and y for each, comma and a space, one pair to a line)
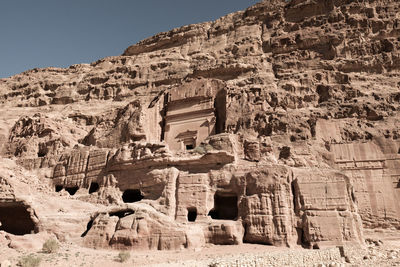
132, 195
94, 187
192, 214
225, 206
16, 219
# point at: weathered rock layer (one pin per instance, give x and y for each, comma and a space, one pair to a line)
276, 125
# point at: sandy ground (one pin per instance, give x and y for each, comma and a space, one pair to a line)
385, 254
73, 255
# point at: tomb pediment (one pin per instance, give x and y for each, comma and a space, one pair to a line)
187, 134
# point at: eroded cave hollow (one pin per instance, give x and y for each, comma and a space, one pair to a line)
192, 214
59, 188
94, 187
132, 195
225, 206
16, 219
72, 190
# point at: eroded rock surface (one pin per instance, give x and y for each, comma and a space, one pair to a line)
276, 125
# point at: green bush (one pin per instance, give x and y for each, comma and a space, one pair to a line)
123, 256
208, 147
203, 148
50, 246
29, 261
199, 150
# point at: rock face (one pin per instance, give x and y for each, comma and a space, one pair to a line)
276, 125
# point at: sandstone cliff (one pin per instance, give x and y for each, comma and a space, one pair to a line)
275, 125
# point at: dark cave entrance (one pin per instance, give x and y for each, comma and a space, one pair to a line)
132, 195
225, 206
189, 147
192, 214
41, 154
72, 190
94, 187
59, 188
16, 219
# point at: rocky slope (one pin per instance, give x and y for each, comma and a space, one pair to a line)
275, 125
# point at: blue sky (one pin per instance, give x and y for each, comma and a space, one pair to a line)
59, 33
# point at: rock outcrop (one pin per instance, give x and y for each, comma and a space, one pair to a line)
276, 125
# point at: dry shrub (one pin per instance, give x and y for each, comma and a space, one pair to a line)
29, 261
123, 256
50, 246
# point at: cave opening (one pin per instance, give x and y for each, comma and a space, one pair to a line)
189, 147
72, 190
94, 187
225, 206
132, 195
59, 188
192, 214
41, 154
16, 219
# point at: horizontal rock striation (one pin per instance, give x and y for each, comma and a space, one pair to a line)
276, 125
